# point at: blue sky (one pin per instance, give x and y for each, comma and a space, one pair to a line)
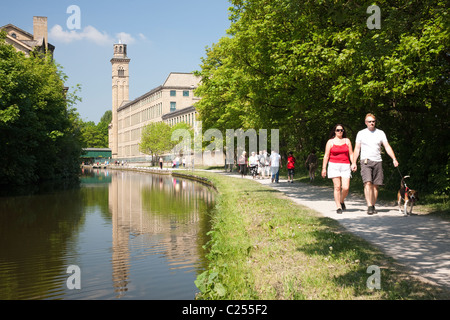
162, 37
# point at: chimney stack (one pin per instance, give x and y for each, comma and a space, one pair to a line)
40, 30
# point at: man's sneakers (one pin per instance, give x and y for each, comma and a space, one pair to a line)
371, 210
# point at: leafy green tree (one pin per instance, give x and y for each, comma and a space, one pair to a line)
303, 66
155, 139
96, 135
39, 132
92, 135
107, 117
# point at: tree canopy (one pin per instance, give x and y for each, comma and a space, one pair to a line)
96, 135
156, 138
39, 128
303, 66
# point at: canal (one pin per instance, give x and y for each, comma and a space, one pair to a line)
119, 235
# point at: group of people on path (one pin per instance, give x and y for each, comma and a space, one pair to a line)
339, 161
342, 161
261, 165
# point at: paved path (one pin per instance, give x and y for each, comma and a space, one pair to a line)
422, 243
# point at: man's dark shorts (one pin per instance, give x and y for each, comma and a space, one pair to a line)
372, 171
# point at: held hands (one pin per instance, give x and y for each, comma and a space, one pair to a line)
354, 167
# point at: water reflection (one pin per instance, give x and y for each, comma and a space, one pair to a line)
167, 213
134, 236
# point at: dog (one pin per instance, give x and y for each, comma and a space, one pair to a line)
409, 196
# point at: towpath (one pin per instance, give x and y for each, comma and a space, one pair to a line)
421, 243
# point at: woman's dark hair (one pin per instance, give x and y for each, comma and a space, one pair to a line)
333, 132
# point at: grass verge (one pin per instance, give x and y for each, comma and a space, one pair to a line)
263, 246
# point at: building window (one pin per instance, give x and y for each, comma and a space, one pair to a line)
173, 93
173, 106
185, 93
121, 72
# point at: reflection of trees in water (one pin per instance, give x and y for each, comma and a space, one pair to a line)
39, 233
173, 211
35, 233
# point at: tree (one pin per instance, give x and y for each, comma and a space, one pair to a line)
107, 117
303, 66
96, 135
39, 132
155, 139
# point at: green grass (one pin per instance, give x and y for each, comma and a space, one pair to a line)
264, 246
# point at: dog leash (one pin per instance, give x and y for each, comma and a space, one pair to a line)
401, 177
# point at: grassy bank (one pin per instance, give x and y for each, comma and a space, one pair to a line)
263, 246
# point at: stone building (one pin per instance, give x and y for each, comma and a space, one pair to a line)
26, 42
171, 102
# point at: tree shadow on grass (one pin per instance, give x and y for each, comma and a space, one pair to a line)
338, 247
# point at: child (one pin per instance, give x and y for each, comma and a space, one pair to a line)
290, 167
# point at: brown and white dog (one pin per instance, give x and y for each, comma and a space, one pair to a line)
409, 196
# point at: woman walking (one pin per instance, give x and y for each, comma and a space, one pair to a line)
243, 163
338, 154
253, 164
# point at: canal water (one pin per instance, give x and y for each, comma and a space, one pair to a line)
119, 235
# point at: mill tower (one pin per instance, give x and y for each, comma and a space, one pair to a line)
120, 86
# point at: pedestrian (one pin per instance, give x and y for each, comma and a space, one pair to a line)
338, 155
311, 165
242, 163
253, 164
275, 165
261, 165
291, 167
161, 161
369, 142
267, 163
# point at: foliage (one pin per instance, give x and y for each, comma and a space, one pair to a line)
303, 66
96, 135
39, 133
157, 137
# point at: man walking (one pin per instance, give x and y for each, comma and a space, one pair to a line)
369, 142
275, 165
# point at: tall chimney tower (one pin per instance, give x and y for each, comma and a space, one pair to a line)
40, 31
120, 87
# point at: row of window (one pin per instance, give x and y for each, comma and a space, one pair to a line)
187, 118
173, 93
135, 134
132, 150
130, 135
146, 114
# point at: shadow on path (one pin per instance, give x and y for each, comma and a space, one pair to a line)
421, 243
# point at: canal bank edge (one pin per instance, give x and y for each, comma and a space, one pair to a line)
177, 174
398, 284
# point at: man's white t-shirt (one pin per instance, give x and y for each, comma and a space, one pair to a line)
275, 160
371, 142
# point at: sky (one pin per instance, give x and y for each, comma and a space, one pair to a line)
161, 37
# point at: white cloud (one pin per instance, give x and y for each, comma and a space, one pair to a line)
90, 33
142, 36
125, 38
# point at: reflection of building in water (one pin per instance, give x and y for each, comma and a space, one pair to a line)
162, 208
